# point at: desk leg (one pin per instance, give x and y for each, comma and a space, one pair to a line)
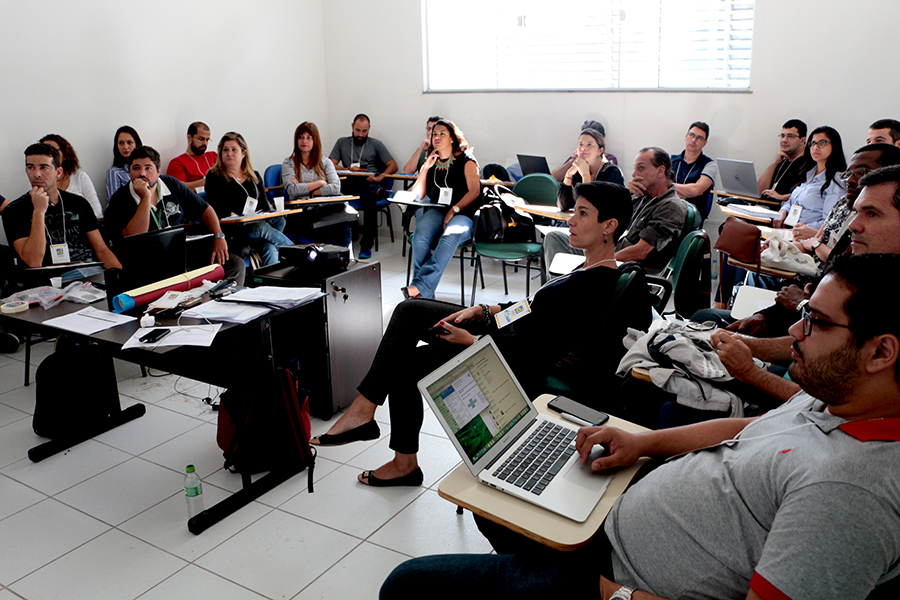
212, 515
47, 449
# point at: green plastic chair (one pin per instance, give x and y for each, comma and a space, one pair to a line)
690, 277
537, 188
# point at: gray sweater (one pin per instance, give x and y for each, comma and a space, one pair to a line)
300, 190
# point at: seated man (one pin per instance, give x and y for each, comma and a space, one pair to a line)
656, 223
418, 157
875, 230
152, 201
788, 169
359, 152
800, 503
695, 172
49, 226
884, 131
190, 168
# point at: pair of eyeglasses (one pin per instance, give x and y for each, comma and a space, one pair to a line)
820, 144
694, 136
809, 320
858, 171
788, 136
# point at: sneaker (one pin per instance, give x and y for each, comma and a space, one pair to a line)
364, 254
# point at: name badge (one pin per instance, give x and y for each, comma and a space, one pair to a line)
59, 253
794, 216
833, 239
250, 206
513, 313
354, 165
446, 196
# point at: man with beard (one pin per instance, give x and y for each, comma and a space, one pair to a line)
790, 164
800, 503
363, 154
190, 168
152, 201
875, 229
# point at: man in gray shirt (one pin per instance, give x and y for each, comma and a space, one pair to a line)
800, 503
363, 154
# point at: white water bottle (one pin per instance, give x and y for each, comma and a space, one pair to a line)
193, 492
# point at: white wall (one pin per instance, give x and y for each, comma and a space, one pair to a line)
825, 61
84, 69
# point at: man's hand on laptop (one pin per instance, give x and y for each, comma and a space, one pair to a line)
624, 448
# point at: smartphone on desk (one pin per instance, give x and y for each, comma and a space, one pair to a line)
577, 413
154, 336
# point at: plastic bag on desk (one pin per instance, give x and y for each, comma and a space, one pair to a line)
83, 293
45, 295
781, 254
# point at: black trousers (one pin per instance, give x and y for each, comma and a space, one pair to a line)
399, 365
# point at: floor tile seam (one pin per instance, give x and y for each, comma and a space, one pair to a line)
422, 490
71, 550
322, 574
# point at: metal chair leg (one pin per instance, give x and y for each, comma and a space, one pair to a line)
27, 359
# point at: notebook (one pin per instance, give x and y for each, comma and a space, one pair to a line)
533, 164
738, 177
489, 419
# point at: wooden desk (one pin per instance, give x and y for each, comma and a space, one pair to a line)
754, 219
239, 219
545, 211
315, 200
764, 270
751, 199
550, 529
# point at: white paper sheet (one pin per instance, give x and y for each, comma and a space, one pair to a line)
185, 335
88, 321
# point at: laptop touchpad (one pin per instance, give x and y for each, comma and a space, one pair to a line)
584, 476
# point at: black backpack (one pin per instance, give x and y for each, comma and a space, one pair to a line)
500, 221
75, 390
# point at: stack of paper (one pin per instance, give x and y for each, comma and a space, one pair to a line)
274, 297
754, 211
226, 313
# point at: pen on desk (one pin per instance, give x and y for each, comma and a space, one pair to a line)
574, 419
89, 315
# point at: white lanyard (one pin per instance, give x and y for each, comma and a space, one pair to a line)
63, 207
681, 164
352, 144
790, 163
205, 161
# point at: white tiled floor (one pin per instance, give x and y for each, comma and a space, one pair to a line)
106, 519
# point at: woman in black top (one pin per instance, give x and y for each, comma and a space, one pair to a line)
232, 185
571, 333
590, 164
448, 179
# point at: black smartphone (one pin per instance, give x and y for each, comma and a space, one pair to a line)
154, 336
438, 330
577, 413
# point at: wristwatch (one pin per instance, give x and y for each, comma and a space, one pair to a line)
623, 593
456, 209
815, 244
220, 235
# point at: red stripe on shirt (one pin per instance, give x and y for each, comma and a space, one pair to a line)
765, 589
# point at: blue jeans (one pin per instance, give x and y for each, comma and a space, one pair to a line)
270, 233
428, 265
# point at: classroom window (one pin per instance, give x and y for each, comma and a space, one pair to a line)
501, 45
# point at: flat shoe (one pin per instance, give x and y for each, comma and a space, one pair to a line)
413, 479
366, 431
406, 295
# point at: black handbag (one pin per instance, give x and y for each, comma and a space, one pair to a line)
500, 221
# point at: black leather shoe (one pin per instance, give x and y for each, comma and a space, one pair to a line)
366, 431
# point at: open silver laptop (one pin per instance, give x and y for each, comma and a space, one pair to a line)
738, 177
489, 419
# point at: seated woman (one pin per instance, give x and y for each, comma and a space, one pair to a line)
449, 179
590, 164
308, 172
73, 180
230, 183
126, 140
584, 354
823, 187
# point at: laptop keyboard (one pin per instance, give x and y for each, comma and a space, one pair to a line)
539, 458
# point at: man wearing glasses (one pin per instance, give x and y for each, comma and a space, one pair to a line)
790, 165
800, 503
875, 229
695, 172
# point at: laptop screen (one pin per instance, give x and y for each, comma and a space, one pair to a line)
479, 401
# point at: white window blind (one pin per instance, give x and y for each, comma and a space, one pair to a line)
587, 45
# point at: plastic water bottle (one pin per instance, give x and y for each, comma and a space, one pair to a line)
193, 492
